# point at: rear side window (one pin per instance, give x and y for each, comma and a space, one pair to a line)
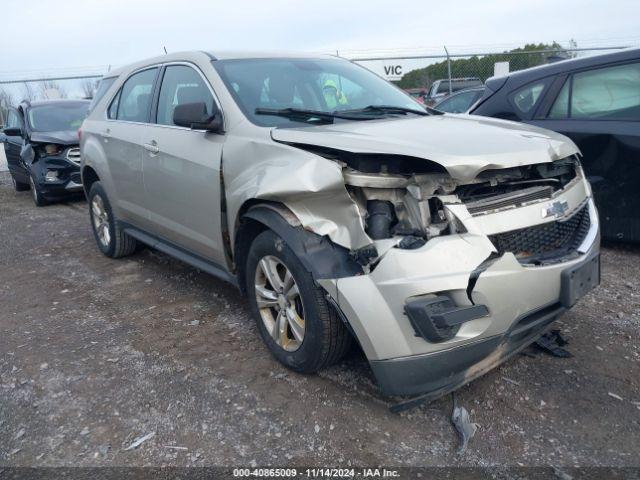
459, 103
610, 93
560, 108
104, 85
135, 97
526, 98
180, 85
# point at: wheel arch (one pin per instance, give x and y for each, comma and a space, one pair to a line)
319, 255
89, 177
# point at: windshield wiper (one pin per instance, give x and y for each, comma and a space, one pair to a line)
303, 114
390, 109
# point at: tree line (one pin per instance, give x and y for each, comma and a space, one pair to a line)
482, 66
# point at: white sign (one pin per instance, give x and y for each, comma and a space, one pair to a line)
391, 71
500, 69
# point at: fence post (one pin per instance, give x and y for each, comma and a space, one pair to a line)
448, 68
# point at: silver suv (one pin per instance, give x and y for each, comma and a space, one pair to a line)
442, 244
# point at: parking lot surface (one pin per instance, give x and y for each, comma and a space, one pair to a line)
96, 353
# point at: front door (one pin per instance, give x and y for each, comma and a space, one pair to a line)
13, 147
182, 168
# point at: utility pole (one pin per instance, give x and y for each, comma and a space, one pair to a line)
448, 68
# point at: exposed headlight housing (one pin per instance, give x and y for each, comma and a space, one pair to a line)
52, 149
51, 176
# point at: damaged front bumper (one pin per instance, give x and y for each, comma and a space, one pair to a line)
57, 176
497, 303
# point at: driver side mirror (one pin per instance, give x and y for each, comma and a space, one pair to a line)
195, 116
12, 132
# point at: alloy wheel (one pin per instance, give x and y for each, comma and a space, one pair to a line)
100, 220
280, 303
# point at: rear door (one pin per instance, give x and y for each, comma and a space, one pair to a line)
182, 168
128, 117
13, 146
599, 109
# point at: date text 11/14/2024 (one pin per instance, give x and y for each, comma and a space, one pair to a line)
315, 473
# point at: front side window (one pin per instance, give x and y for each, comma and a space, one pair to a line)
526, 98
134, 100
57, 117
13, 120
180, 85
324, 85
608, 93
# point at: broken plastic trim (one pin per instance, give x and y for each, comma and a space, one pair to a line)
319, 255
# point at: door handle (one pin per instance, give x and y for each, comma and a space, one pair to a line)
152, 147
106, 133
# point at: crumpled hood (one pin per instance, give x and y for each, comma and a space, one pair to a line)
66, 137
462, 144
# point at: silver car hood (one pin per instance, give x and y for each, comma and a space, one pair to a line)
462, 144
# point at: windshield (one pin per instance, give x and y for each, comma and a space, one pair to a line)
321, 85
57, 117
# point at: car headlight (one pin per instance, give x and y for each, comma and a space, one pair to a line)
51, 149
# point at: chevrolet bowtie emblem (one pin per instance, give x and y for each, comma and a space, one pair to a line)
556, 209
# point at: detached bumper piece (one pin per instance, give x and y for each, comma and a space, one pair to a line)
439, 319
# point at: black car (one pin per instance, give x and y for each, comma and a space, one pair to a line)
41, 145
596, 102
460, 102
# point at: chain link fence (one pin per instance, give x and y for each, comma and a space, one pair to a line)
449, 71
16, 87
417, 71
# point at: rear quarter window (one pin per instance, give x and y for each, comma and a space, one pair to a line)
103, 87
525, 99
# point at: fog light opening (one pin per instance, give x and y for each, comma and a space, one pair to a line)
51, 176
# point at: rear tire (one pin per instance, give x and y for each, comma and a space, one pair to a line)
325, 339
110, 237
19, 186
36, 194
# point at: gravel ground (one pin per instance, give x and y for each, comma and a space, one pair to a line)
96, 353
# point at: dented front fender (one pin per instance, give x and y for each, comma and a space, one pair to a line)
312, 187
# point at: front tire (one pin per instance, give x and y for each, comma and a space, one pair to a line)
110, 237
36, 194
294, 319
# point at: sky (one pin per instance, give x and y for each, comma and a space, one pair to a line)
63, 36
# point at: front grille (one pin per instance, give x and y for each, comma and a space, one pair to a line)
548, 240
73, 155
